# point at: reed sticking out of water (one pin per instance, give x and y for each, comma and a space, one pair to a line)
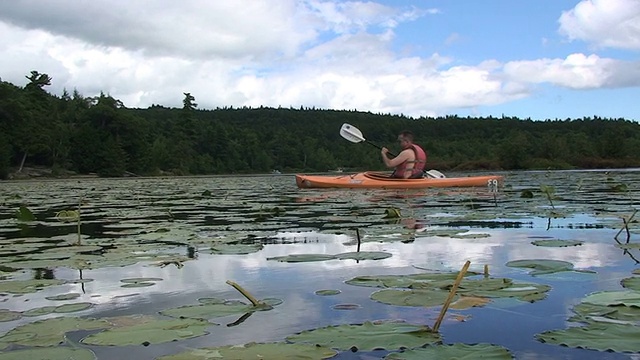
245, 293
452, 293
626, 226
72, 215
358, 237
486, 270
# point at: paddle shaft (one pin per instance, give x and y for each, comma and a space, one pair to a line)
379, 147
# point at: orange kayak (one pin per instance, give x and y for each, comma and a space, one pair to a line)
372, 180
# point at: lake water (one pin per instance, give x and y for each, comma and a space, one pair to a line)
164, 228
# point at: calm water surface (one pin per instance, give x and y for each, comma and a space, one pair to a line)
269, 209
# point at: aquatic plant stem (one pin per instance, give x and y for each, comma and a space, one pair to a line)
79, 234
452, 293
626, 226
244, 292
358, 237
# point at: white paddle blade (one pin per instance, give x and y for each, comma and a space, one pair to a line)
351, 133
435, 174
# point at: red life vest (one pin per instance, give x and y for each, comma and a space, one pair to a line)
418, 167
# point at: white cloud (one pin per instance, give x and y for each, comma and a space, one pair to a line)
604, 23
312, 53
576, 71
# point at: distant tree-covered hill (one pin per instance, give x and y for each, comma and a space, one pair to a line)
100, 135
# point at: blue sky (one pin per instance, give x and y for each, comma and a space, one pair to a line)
541, 59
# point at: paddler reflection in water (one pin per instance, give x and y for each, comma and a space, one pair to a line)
409, 164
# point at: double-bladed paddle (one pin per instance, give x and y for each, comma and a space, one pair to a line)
354, 135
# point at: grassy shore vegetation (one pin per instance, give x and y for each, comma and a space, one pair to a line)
73, 134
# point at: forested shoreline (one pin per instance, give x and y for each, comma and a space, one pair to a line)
73, 134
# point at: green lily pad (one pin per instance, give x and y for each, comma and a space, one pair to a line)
542, 266
453, 351
54, 353
327, 292
557, 243
139, 282
211, 310
631, 283
8, 315
363, 255
586, 313
27, 286
346, 307
235, 249
501, 288
403, 281
628, 246
150, 331
614, 298
294, 258
369, 336
44, 310
470, 236
68, 296
467, 302
270, 351
208, 300
424, 298
24, 214
68, 308
596, 336
50, 332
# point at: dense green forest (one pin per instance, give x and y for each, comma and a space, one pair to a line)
87, 135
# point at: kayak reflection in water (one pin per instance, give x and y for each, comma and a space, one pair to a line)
410, 163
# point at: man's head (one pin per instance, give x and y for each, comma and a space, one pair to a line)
406, 139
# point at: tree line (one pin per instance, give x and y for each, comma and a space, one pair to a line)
99, 135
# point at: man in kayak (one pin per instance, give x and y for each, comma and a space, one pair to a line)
409, 164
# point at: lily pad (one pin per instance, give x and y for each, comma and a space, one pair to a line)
586, 313
470, 236
8, 315
68, 308
542, 266
154, 331
403, 281
363, 255
327, 292
235, 249
139, 282
557, 243
596, 336
54, 353
454, 351
24, 214
27, 286
631, 283
369, 336
294, 258
270, 351
211, 310
466, 302
425, 298
50, 332
68, 296
346, 307
44, 310
614, 298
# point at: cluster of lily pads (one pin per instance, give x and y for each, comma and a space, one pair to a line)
610, 320
119, 224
